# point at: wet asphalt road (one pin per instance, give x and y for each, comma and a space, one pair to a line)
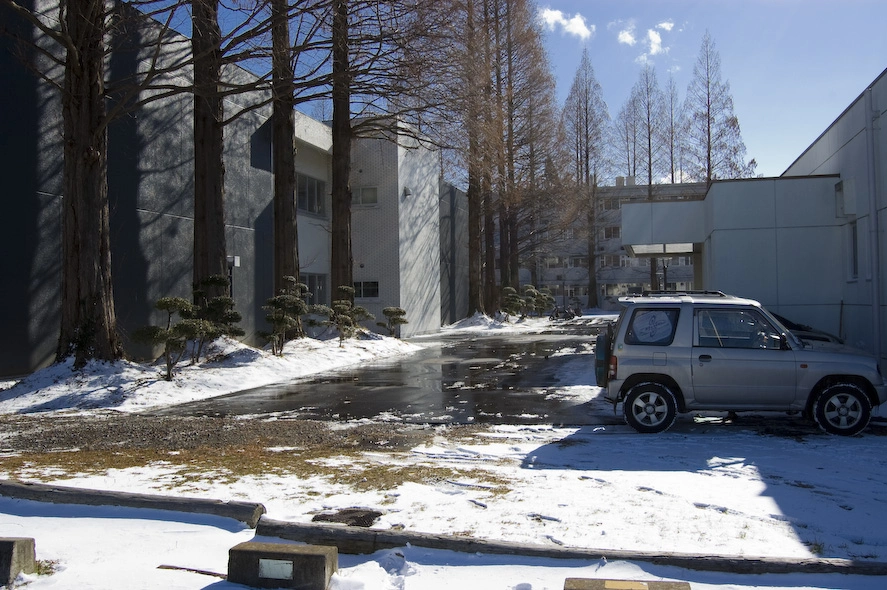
455, 379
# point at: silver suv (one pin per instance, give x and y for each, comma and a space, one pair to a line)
682, 352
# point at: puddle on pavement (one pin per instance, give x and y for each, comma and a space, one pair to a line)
475, 379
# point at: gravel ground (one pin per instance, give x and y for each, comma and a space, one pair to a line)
114, 431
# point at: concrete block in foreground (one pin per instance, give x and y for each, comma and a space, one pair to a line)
16, 556
586, 584
357, 540
275, 565
245, 512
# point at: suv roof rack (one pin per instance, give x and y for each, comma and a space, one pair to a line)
662, 293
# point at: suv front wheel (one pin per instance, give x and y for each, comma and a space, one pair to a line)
649, 407
842, 408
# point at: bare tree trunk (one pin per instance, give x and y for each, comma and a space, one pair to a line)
514, 252
474, 196
286, 236
210, 254
475, 274
490, 299
487, 181
88, 321
341, 256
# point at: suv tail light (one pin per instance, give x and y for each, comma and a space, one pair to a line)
614, 363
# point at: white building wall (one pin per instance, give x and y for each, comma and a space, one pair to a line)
419, 242
777, 241
843, 149
397, 241
375, 227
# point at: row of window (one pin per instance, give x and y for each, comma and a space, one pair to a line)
615, 260
311, 195
317, 287
713, 328
566, 262
608, 261
608, 233
568, 290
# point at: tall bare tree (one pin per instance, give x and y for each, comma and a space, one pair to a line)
652, 147
88, 327
474, 80
652, 126
714, 141
341, 256
532, 135
675, 129
89, 324
626, 137
210, 252
286, 229
586, 118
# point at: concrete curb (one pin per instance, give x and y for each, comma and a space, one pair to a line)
358, 540
245, 512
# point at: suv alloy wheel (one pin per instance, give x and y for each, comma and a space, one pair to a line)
650, 407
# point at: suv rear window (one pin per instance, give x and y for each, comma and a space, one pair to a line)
652, 327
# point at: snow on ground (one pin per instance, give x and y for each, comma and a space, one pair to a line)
133, 387
700, 488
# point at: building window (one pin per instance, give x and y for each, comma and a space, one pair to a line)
316, 287
579, 262
610, 260
311, 194
612, 232
367, 195
609, 205
366, 290
554, 262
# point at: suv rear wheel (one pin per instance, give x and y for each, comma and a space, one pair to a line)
649, 407
842, 408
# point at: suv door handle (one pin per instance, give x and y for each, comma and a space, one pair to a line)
704, 358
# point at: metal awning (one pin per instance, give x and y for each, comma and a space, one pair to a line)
659, 250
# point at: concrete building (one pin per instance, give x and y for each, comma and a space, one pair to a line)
396, 231
565, 266
808, 244
396, 240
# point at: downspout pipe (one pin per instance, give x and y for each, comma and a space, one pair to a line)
874, 232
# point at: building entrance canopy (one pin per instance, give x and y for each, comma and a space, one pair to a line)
659, 250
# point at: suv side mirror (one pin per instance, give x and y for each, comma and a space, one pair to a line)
783, 342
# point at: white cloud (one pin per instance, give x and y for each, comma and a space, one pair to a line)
575, 25
655, 40
626, 35
665, 25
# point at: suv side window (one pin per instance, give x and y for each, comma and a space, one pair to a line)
734, 328
652, 327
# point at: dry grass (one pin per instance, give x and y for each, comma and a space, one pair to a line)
350, 467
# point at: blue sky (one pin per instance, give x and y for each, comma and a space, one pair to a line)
793, 65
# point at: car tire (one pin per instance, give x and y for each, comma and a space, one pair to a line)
650, 407
842, 408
